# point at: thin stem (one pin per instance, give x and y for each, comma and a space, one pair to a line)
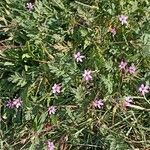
146, 99
85, 5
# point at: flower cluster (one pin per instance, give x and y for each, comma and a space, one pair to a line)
123, 67
56, 88
15, 103
132, 70
87, 75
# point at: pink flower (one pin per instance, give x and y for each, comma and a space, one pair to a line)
87, 75
50, 145
52, 110
98, 103
56, 88
144, 89
78, 57
128, 101
122, 65
15, 103
123, 19
30, 6
132, 69
112, 30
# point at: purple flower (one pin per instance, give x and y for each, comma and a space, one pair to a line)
78, 57
50, 145
122, 65
56, 88
15, 103
30, 6
128, 101
87, 75
98, 103
123, 19
10, 104
52, 110
144, 89
132, 69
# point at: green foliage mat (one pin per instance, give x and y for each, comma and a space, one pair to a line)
90, 111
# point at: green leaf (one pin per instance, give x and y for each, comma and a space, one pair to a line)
25, 56
18, 79
8, 64
84, 32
